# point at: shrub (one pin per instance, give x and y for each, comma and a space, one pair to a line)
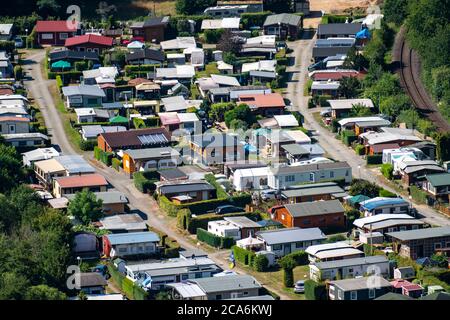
166, 205
80, 65
300, 257
207, 237
315, 291
18, 73
97, 153
213, 36
131, 290
116, 164
144, 68
106, 158
138, 123
374, 159
172, 248
254, 19
59, 82
348, 136
418, 195
288, 264
260, 263
387, 170
88, 145
360, 150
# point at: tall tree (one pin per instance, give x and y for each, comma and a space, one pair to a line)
86, 207
44, 292
349, 87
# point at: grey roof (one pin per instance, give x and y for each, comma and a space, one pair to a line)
190, 252
133, 237
329, 51
310, 167
152, 153
288, 235
146, 53
107, 197
186, 187
173, 174
74, 55
263, 297
424, 167
374, 123
242, 222
305, 209
295, 149
439, 180
227, 283
92, 131
283, 18
129, 222
351, 262
156, 21
86, 90
263, 74
313, 189
75, 164
339, 28
394, 296
421, 233
393, 222
92, 279
360, 283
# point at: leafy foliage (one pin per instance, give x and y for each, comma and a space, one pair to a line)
86, 207
364, 187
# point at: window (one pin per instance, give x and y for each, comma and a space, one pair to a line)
437, 245
371, 293
415, 227
392, 229
290, 178
184, 277
340, 295
353, 295
282, 216
218, 297
198, 275
311, 176
306, 221
378, 211
404, 209
63, 35
276, 247
22, 143
402, 228
346, 173
47, 36
92, 101
331, 174
391, 210
245, 293
299, 244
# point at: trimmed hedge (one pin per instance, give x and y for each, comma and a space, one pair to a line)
374, 159
213, 240
68, 76
116, 164
244, 256
348, 137
97, 152
261, 263
88, 145
142, 183
221, 194
315, 291
300, 257
132, 291
254, 19
387, 170
360, 150
130, 69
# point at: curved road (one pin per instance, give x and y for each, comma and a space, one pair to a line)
39, 88
335, 148
407, 64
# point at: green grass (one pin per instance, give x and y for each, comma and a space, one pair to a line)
210, 68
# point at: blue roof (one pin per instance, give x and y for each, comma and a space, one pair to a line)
132, 237
375, 204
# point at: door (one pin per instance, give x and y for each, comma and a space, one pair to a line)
420, 253
234, 295
287, 249
12, 128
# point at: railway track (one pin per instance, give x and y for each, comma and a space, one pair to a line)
409, 70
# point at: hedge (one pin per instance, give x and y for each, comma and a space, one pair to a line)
213, 240
132, 291
171, 246
387, 170
87, 145
130, 69
97, 152
116, 164
315, 291
244, 256
202, 207
386, 194
360, 150
221, 194
254, 19
68, 76
106, 158
374, 159
348, 136
300, 257
142, 183
260, 263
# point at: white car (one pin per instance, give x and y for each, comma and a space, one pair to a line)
268, 194
388, 250
299, 286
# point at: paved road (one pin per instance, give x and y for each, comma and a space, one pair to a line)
335, 148
138, 202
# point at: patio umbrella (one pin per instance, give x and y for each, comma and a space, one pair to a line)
61, 64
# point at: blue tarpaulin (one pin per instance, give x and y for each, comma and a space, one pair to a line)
363, 34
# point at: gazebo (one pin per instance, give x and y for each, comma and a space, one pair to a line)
250, 243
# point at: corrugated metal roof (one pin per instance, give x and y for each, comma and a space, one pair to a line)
351, 262
421, 233
291, 235
283, 18
330, 189
305, 209
360, 283
133, 237
384, 202
227, 283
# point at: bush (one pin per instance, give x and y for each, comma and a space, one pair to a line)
144, 68
300, 257
348, 136
254, 19
374, 159
81, 65
260, 263
59, 82
18, 73
360, 150
97, 153
116, 164
315, 291
387, 194
8, 46
88, 145
138, 123
288, 264
213, 36
387, 170
106, 158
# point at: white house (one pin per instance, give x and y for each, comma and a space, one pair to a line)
251, 178
30, 157
224, 229
332, 251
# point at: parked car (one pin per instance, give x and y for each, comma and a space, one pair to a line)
268, 194
388, 250
18, 42
299, 286
228, 209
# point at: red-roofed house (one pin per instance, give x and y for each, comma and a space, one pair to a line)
264, 104
73, 184
407, 288
89, 43
12, 124
54, 32
335, 75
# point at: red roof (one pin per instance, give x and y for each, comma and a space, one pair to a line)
89, 38
88, 180
54, 26
335, 76
269, 100
19, 119
400, 283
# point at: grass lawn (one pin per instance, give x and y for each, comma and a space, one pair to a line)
274, 278
210, 68
318, 119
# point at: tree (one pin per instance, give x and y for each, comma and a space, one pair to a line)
213, 36
218, 110
241, 112
44, 292
349, 87
47, 7
190, 7
12, 286
11, 173
355, 60
443, 146
410, 117
86, 207
360, 110
364, 187
395, 10
288, 264
393, 105
387, 85
228, 42
440, 260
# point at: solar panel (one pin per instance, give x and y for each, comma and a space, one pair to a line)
157, 138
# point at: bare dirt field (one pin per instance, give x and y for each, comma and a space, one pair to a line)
161, 7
